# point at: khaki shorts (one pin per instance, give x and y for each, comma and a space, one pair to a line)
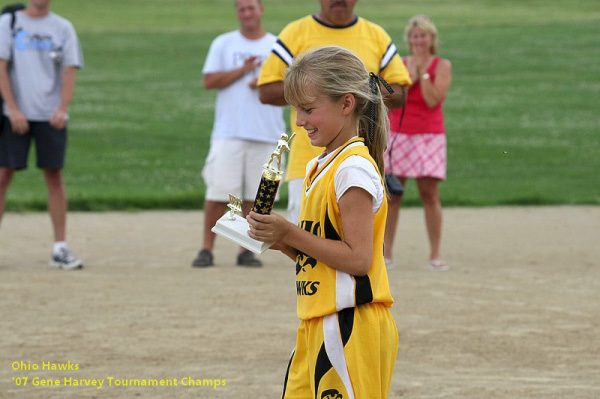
234, 167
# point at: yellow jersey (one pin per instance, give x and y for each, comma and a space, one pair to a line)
321, 289
365, 39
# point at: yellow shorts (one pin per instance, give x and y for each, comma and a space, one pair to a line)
345, 355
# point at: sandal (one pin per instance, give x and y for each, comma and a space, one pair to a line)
389, 265
438, 265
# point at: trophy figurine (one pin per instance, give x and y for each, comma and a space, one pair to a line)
235, 206
235, 227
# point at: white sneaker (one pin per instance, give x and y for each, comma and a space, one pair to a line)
65, 259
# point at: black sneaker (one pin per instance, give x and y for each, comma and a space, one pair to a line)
247, 259
204, 259
65, 259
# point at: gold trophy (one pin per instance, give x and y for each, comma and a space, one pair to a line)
232, 225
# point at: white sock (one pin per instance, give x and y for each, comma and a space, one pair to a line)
58, 245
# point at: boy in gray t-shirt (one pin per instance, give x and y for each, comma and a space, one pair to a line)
39, 55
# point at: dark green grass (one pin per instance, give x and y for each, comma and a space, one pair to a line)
522, 113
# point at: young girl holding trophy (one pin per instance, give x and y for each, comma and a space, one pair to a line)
347, 339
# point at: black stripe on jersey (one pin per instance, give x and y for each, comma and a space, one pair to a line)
346, 325
322, 366
346, 322
330, 231
287, 374
363, 292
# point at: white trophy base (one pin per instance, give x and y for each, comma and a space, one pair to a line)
236, 230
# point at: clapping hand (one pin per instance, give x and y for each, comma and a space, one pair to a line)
251, 63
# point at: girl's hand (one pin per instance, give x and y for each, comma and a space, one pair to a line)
267, 228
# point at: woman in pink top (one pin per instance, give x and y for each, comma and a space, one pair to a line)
417, 145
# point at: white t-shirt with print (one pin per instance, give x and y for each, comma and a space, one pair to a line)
37, 50
238, 111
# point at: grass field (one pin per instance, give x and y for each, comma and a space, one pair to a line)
522, 113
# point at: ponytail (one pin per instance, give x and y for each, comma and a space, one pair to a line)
337, 71
374, 123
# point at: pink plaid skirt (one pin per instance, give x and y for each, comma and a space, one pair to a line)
416, 155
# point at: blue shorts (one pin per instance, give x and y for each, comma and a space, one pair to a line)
50, 146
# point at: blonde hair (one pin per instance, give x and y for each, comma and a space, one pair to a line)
334, 72
422, 22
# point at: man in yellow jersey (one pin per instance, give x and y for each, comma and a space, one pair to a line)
335, 24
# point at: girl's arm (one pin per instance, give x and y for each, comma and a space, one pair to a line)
352, 255
285, 249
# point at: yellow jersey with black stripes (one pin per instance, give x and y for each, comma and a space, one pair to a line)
367, 40
321, 289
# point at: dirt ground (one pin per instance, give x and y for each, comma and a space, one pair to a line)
518, 315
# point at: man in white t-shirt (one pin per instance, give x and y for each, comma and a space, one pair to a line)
245, 131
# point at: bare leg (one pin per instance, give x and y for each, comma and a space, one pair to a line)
6, 175
57, 202
428, 189
213, 211
245, 257
246, 208
390, 225
391, 222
